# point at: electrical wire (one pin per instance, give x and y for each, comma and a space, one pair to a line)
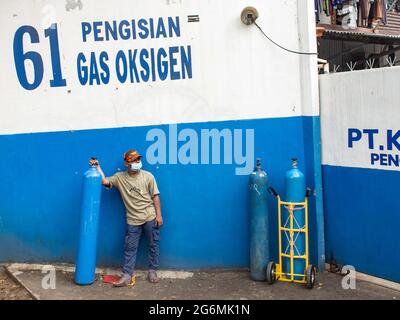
283, 48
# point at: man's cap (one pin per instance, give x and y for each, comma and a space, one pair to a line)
131, 155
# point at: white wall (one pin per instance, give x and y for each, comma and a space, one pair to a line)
237, 73
362, 100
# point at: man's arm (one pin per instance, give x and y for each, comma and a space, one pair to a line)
104, 180
157, 206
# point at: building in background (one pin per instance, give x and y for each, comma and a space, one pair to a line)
359, 34
96, 78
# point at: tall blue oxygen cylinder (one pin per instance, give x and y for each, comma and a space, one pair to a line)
296, 192
86, 257
259, 244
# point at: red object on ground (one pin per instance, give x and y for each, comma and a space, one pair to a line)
111, 278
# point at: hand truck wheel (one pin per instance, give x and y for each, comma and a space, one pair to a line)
310, 276
271, 272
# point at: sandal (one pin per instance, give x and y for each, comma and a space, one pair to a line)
124, 281
152, 276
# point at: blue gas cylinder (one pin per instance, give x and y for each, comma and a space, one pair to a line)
86, 256
259, 244
295, 192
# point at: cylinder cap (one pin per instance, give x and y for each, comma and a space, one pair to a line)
294, 162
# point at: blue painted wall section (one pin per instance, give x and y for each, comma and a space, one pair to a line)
362, 219
205, 207
313, 172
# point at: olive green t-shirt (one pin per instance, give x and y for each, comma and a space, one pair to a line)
137, 192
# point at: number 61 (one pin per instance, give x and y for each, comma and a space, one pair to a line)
20, 57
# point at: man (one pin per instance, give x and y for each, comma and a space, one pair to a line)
141, 198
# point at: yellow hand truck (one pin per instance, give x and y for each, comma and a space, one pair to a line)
291, 230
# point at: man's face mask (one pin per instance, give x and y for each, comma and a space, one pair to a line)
135, 166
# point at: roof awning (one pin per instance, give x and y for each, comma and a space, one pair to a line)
378, 36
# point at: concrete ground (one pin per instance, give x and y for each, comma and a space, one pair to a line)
204, 284
10, 289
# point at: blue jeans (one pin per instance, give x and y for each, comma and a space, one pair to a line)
133, 234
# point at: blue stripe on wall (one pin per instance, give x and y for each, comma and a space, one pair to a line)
362, 219
204, 206
312, 147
